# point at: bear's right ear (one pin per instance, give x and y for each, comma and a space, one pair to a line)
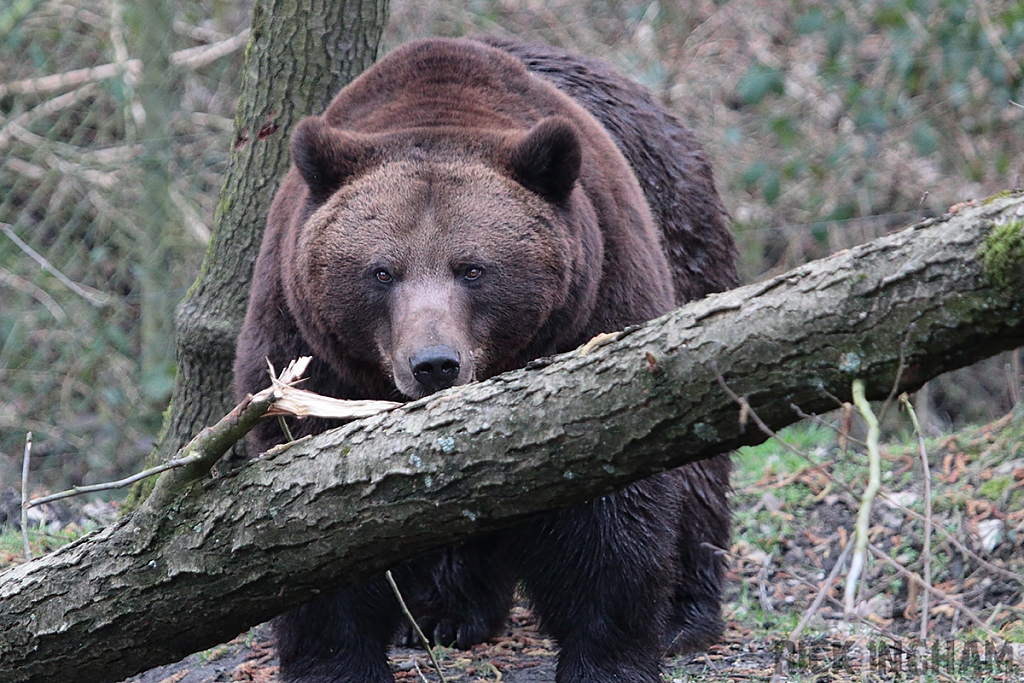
326, 157
547, 159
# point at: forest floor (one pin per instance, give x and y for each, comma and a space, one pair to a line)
795, 508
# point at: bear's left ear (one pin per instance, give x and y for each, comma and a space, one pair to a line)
547, 160
326, 157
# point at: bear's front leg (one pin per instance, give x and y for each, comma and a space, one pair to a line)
467, 597
696, 620
600, 577
341, 638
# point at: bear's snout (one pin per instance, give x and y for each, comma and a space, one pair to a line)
436, 367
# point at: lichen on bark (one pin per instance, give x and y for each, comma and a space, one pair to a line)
1003, 255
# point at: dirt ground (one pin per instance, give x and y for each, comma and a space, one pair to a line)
522, 655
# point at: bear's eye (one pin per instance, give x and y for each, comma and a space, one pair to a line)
383, 276
472, 273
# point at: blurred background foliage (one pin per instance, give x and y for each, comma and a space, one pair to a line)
829, 123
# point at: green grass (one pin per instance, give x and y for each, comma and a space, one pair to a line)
42, 542
751, 462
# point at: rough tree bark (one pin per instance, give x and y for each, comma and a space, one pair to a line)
213, 557
300, 53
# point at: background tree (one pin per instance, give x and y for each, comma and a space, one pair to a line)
299, 56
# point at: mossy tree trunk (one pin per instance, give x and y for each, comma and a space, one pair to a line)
300, 53
156, 25
213, 557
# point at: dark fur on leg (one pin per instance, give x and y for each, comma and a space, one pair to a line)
600, 576
695, 622
468, 597
342, 638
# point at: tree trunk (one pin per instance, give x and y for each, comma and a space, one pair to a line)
156, 23
211, 558
300, 54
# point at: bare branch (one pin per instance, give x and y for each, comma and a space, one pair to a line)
49, 107
416, 627
22, 285
926, 552
279, 399
68, 79
200, 34
899, 374
945, 597
95, 297
114, 485
874, 483
24, 495
192, 58
196, 57
823, 590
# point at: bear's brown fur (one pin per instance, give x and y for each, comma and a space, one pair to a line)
462, 208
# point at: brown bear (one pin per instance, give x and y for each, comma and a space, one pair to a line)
463, 207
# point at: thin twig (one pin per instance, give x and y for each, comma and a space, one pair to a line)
874, 483
899, 372
765, 429
284, 428
824, 423
415, 626
24, 496
827, 394
779, 483
22, 285
927, 551
48, 267
920, 205
416, 665
58, 103
212, 442
745, 406
119, 484
945, 597
822, 592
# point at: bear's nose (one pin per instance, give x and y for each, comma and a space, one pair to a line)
435, 367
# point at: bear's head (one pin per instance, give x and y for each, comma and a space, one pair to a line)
437, 257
